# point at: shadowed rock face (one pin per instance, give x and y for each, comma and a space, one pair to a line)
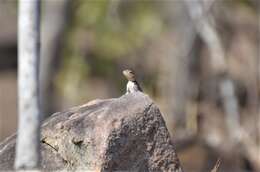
121, 134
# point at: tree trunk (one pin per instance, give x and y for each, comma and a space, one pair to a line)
28, 141
53, 21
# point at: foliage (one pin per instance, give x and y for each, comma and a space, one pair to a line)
100, 33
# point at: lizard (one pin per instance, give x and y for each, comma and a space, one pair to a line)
132, 84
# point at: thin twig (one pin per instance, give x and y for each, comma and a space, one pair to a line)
216, 166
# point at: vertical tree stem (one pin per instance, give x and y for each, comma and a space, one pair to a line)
28, 141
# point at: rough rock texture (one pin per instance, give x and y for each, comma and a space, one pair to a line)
121, 134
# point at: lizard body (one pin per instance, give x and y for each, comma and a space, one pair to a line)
132, 85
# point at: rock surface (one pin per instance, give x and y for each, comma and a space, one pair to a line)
121, 134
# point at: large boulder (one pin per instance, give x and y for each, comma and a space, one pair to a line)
120, 134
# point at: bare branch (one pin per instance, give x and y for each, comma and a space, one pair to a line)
207, 32
218, 61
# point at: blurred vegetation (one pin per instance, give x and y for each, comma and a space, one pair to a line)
103, 37
100, 33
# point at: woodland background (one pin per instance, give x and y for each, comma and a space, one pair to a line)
87, 43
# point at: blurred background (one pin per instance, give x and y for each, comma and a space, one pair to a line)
197, 59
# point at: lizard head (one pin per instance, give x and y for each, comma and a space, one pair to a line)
129, 74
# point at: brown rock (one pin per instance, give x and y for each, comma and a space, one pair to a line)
121, 134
